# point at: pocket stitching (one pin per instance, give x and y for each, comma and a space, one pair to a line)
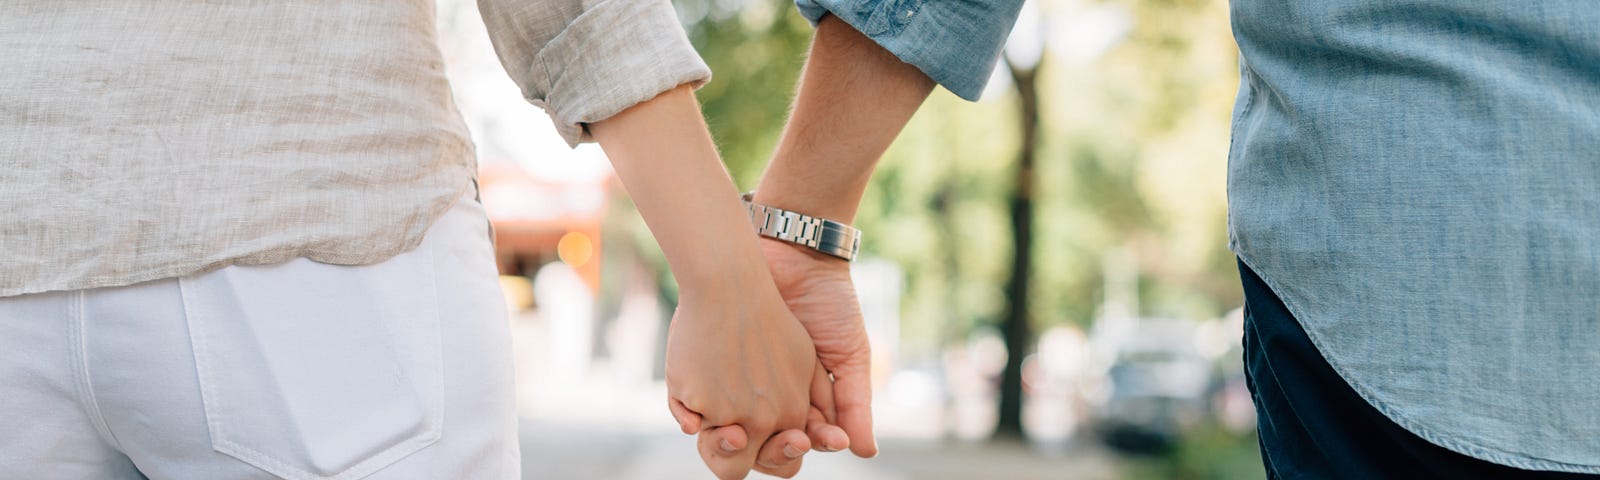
432, 430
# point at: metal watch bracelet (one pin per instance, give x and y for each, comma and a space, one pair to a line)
823, 235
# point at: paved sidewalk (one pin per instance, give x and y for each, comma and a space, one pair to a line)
585, 419
559, 451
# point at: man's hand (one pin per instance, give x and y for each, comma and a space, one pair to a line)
818, 290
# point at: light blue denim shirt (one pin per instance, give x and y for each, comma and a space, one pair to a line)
1419, 181
955, 42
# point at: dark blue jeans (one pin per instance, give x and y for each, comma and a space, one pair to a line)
1313, 425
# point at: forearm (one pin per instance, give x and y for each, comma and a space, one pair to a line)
664, 155
853, 98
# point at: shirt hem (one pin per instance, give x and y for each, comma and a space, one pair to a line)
1447, 441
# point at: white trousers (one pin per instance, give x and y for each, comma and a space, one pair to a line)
302, 370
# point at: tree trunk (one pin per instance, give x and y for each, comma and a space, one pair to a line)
1015, 326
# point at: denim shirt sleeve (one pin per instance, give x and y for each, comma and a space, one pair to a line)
955, 42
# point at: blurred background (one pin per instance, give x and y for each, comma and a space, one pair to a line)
1109, 350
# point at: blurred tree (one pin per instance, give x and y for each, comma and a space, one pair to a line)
1016, 327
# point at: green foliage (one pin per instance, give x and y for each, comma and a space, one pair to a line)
1133, 158
1209, 453
755, 50
938, 199
1136, 158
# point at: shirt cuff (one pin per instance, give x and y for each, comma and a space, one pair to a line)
954, 42
615, 55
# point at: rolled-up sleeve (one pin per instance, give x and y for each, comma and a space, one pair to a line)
583, 61
955, 42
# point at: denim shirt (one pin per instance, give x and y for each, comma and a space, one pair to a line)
1418, 181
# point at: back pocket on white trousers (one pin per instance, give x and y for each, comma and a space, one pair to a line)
313, 371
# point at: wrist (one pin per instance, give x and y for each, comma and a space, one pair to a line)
775, 249
717, 272
838, 204
792, 265
728, 267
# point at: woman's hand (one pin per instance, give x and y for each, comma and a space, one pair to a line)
739, 364
737, 359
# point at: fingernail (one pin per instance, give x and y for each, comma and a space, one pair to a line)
791, 452
727, 446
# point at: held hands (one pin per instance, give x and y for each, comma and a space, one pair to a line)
818, 291
740, 365
741, 372
740, 368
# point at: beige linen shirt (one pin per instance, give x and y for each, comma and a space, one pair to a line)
147, 139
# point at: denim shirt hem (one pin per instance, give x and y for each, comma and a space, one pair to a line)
1458, 444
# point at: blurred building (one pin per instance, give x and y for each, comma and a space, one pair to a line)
539, 220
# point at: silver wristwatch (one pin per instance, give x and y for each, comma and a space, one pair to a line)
821, 234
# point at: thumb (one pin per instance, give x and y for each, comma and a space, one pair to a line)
822, 423
688, 420
852, 394
725, 451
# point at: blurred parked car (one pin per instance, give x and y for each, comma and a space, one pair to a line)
1160, 384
